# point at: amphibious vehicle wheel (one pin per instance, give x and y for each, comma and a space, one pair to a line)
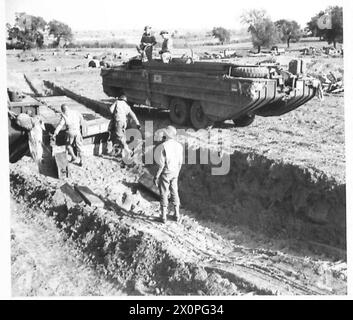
179, 111
244, 121
198, 118
251, 72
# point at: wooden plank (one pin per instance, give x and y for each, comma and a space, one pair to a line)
95, 123
89, 196
62, 164
47, 167
146, 180
94, 127
71, 193
56, 102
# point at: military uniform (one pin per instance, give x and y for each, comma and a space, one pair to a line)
169, 159
120, 111
73, 121
146, 44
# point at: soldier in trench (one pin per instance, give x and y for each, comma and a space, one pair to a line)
169, 158
73, 121
34, 127
120, 111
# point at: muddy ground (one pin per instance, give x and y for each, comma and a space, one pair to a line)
276, 226
195, 257
45, 263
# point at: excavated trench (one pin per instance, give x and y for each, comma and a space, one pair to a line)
147, 257
135, 259
280, 200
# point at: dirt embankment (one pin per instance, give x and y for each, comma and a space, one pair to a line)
152, 258
133, 258
272, 197
45, 263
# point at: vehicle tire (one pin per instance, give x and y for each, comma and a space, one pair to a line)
251, 72
179, 111
244, 121
198, 118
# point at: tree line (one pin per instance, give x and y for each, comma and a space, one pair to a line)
34, 32
265, 33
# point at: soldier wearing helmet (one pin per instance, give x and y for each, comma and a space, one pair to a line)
167, 46
147, 42
169, 158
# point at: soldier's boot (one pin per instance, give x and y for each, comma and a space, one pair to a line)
163, 217
176, 214
79, 160
71, 153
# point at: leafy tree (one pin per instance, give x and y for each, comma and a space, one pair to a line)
288, 30
222, 34
60, 31
313, 28
27, 31
335, 34
263, 31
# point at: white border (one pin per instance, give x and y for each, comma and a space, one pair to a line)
5, 275
348, 82
5, 256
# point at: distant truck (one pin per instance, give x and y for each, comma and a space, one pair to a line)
202, 93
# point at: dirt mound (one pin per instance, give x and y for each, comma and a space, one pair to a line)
135, 259
43, 264
152, 258
272, 197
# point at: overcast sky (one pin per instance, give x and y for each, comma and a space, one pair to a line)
168, 14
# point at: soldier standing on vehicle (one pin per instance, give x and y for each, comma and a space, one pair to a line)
120, 110
169, 158
167, 46
147, 42
73, 121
